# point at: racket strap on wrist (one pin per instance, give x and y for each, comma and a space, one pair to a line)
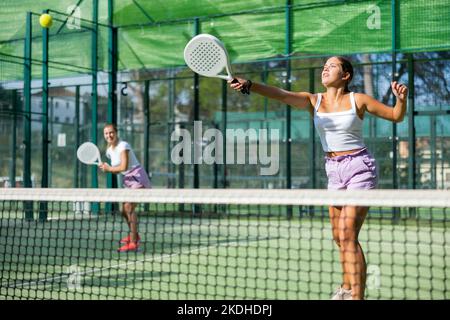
247, 86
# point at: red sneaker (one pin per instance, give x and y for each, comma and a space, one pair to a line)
127, 239
131, 246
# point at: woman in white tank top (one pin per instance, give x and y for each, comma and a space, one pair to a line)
338, 116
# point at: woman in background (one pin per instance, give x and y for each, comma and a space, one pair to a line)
124, 161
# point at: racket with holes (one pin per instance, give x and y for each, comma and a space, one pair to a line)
206, 55
88, 153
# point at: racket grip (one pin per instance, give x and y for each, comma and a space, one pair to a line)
245, 89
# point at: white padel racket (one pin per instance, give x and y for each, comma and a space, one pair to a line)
206, 55
88, 153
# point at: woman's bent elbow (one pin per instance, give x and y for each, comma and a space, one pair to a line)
398, 120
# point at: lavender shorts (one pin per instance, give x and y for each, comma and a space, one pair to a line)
136, 178
352, 171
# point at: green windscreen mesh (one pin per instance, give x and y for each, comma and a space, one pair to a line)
153, 47
152, 34
138, 11
343, 29
424, 25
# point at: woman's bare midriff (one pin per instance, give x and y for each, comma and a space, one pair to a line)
341, 153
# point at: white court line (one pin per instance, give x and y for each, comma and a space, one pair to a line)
130, 263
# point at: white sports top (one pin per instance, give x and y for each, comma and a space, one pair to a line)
114, 155
339, 131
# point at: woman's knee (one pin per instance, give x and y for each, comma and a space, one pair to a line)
347, 236
127, 208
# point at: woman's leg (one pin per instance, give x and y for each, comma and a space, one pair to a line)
335, 213
128, 209
350, 223
125, 215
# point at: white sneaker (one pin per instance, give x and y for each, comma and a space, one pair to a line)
342, 294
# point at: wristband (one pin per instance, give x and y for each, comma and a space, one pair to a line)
249, 85
246, 87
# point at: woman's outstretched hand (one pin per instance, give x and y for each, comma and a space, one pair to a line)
239, 85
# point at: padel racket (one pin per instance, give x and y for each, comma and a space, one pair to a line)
88, 153
206, 55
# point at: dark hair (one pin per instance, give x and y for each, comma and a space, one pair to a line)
346, 67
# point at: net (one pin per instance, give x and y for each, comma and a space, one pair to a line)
218, 244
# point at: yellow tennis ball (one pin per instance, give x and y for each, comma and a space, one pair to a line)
45, 20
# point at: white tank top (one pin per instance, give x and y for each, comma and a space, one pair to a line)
339, 131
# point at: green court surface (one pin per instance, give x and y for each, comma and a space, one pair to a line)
222, 257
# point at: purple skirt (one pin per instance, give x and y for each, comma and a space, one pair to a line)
136, 178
